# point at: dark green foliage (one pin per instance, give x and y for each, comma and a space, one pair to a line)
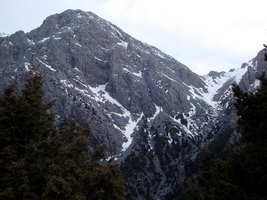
39, 161
252, 109
250, 162
243, 174
218, 146
214, 181
25, 125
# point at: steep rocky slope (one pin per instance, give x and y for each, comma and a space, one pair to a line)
153, 112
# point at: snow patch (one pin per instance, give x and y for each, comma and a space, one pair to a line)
158, 110
170, 140
67, 83
57, 38
139, 74
188, 98
78, 44
124, 44
48, 66
43, 40
98, 59
30, 42
169, 78
115, 29
129, 129
158, 53
101, 95
238, 74
79, 15
256, 84
184, 127
77, 69
27, 66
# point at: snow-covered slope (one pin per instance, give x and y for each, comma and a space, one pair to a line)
219, 83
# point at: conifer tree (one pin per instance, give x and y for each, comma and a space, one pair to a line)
39, 161
250, 163
25, 125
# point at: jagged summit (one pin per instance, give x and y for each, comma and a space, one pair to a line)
152, 112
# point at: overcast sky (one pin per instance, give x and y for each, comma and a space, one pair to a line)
202, 34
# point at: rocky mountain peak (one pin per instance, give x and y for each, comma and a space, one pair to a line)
77, 22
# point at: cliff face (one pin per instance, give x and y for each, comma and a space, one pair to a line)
153, 112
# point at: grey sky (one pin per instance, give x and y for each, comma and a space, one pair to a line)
204, 35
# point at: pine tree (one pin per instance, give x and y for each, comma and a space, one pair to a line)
213, 182
25, 125
39, 161
252, 111
67, 162
250, 164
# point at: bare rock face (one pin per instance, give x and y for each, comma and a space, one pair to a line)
152, 112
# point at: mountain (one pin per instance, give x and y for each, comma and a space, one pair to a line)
153, 113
